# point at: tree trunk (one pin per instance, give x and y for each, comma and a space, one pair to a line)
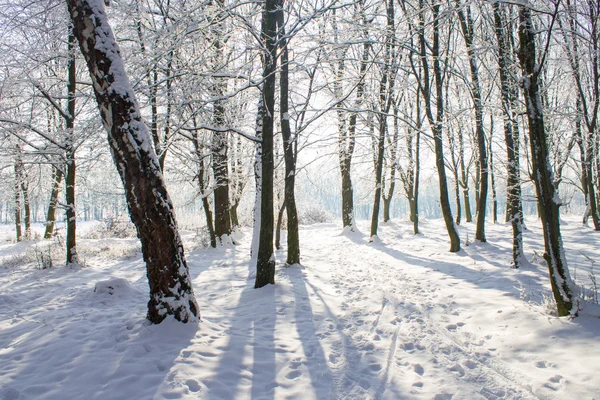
465, 178
17, 186
378, 174
466, 23
202, 185
386, 86
235, 221
219, 142
70, 156
26, 205
150, 207
289, 148
437, 122
265, 263
279, 223
548, 200
511, 138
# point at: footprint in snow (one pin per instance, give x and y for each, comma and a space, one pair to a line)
294, 374
193, 385
419, 370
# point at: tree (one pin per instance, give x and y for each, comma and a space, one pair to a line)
435, 122
289, 145
265, 262
386, 86
466, 25
548, 200
149, 205
511, 134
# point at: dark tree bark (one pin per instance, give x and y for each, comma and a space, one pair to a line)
265, 263
466, 24
289, 146
547, 196
511, 137
57, 176
150, 207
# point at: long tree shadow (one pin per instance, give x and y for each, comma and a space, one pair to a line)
90, 345
482, 279
252, 332
316, 362
350, 375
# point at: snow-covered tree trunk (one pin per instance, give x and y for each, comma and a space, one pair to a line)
57, 176
563, 288
149, 204
257, 180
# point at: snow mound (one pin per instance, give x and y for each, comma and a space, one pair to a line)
113, 286
351, 231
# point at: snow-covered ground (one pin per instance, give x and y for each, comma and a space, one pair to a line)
400, 319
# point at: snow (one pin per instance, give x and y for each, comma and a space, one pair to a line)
402, 319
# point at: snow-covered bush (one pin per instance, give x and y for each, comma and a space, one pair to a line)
118, 227
314, 215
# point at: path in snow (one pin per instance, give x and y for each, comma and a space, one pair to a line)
401, 319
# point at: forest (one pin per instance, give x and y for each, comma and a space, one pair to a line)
299, 199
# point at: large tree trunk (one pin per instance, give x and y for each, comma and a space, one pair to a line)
548, 200
265, 263
150, 207
289, 147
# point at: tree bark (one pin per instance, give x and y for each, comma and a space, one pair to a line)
149, 205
